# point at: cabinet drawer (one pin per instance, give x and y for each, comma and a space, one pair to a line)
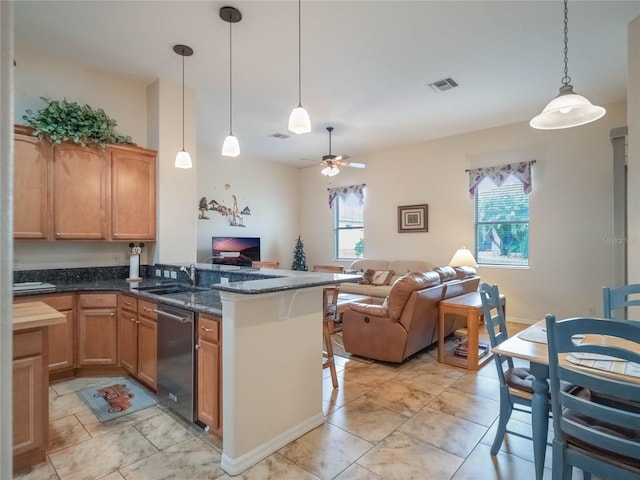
147, 309
28, 343
128, 303
99, 300
209, 328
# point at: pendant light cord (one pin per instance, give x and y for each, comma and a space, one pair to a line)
230, 83
183, 103
299, 58
566, 80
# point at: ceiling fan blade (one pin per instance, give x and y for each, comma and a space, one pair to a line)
342, 158
355, 164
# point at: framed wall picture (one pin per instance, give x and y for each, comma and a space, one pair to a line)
413, 218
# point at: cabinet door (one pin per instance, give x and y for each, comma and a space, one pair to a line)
97, 336
209, 384
30, 187
133, 194
128, 340
80, 182
148, 351
61, 337
28, 404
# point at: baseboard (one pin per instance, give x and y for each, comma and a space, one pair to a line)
526, 321
235, 466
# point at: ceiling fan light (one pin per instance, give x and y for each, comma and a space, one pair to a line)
567, 110
299, 121
183, 160
230, 147
330, 171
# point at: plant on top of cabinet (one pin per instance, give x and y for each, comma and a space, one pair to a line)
62, 121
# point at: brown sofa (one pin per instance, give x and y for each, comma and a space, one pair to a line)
408, 319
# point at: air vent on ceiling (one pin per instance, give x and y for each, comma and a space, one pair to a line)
444, 85
281, 136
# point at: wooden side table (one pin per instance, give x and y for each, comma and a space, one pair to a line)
470, 307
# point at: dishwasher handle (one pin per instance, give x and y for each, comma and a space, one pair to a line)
171, 316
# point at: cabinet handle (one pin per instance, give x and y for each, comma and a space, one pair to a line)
146, 309
128, 303
197, 346
132, 320
112, 314
207, 329
115, 234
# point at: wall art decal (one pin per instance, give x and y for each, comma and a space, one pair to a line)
234, 215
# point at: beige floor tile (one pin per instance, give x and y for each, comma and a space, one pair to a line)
100, 456
76, 384
274, 467
372, 375
399, 397
447, 432
95, 427
401, 457
367, 419
192, 459
483, 386
112, 476
358, 472
325, 451
65, 432
41, 471
501, 467
63, 405
163, 431
347, 392
433, 379
516, 445
471, 407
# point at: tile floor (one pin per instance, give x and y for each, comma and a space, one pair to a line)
419, 420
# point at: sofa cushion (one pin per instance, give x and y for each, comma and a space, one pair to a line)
362, 264
404, 287
464, 272
377, 291
381, 277
446, 273
402, 267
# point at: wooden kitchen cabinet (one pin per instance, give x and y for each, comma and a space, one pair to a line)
61, 336
30, 398
133, 193
70, 192
97, 329
209, 356
31, 216
137, 338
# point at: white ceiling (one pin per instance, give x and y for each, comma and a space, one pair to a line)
365, 64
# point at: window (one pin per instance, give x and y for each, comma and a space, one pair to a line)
348, 226
502, 223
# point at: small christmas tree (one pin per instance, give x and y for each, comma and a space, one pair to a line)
299, 258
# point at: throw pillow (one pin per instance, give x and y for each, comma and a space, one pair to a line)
367, 276
381, 277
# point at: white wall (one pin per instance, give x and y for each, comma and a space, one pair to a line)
270, 190
571, 205
633, 159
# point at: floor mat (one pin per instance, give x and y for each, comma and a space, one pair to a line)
116, 398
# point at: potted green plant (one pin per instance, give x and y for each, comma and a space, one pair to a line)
63, 121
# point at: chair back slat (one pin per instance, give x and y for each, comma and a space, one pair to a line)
496, 326
618, 298
605, 417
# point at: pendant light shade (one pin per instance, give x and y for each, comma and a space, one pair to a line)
299, 121
230, 147
568, 109
183, 159
330, 171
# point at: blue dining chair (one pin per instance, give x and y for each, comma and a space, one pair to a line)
615, 298
602, 438
516, 384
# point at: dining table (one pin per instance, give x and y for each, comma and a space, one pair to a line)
531, 344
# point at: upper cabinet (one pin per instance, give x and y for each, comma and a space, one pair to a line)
69, 192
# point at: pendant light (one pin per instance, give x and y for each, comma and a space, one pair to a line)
299, 121
568, 109
230, 147
183, 159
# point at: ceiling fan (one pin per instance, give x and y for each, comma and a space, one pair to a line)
331, 162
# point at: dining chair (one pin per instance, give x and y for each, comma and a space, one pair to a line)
256, 264
329, 313
616, 298
597, 437
516, 384
328, 268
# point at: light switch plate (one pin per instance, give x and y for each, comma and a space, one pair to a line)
174, 274
158, 272
224, 280
167, 273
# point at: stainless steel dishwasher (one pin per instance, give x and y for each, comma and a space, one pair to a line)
176, 367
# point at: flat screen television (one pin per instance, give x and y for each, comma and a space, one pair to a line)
235, 250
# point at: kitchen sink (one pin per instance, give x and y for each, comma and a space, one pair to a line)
169, 289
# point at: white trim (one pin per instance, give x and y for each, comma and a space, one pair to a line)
235, 466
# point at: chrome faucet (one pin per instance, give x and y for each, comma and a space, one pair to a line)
191, 271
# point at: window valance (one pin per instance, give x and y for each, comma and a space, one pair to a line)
498, 174
344, 192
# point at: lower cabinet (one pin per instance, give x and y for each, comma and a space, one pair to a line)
97, 329
30, 398
137, 338
208, 351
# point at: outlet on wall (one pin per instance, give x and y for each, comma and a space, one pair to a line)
158, 272
167, 273
174, 274
224, 280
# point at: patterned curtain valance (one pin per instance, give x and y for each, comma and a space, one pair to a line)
498, 174
344, 192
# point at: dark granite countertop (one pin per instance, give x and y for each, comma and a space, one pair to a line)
205, 301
